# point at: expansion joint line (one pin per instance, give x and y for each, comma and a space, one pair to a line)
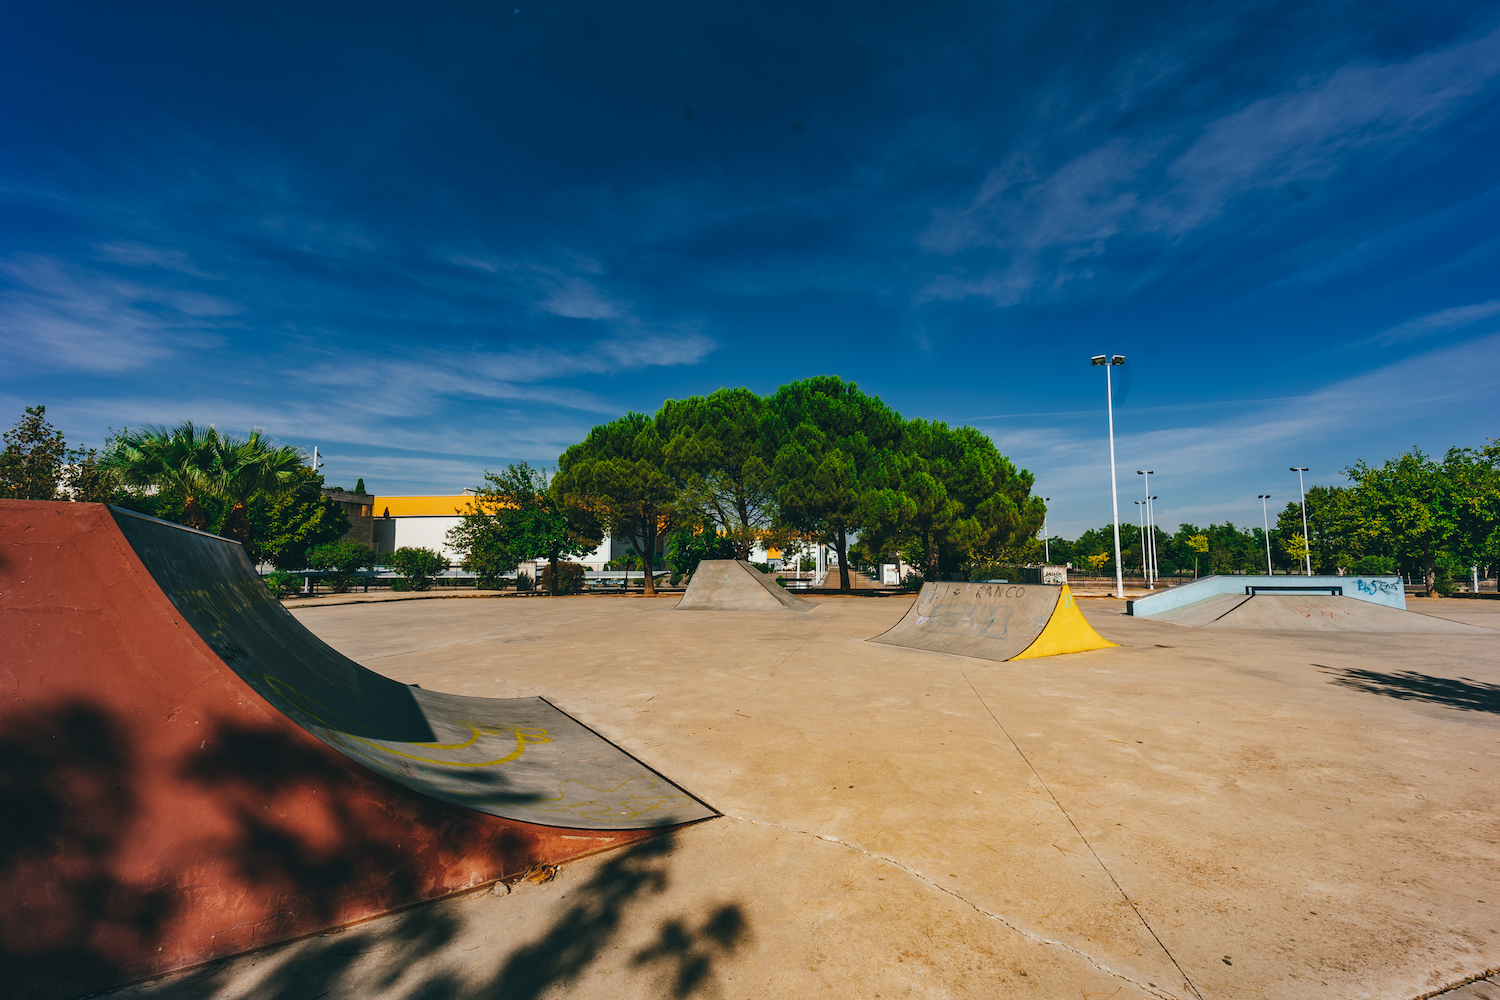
991, 914
810, 637
1069, 817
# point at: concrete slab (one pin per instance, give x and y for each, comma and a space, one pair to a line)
1195, 813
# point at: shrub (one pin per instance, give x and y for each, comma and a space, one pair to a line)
781, 580
764, 567
569, 578
416, 566
340, 560
525, 583
282, 584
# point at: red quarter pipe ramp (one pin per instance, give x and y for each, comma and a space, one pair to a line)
186, 772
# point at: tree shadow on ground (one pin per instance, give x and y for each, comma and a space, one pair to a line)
1408, 685
417, 953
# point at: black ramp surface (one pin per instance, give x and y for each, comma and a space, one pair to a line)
519, 758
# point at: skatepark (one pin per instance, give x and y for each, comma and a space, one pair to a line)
1263, 808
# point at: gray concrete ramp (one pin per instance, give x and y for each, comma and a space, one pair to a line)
994, 621
1201, 613
731, 585
1274, 613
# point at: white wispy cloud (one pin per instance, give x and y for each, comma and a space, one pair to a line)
417, 381
1438, 322
134, 254
59, 315
1046, 221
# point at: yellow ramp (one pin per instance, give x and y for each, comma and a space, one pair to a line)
1067, 631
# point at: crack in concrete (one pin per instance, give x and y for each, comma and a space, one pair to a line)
1186, 980
1029, 935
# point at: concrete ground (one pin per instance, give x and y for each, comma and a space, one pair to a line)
1191, 814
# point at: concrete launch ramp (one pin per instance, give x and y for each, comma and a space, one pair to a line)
189, 773
1274, 613
731, 585
995, 621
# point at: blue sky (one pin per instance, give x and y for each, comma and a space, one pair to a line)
432, 239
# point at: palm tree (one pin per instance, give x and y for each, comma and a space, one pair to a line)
198, 462
183, 459
249, 468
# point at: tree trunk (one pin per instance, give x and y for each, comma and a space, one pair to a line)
1429, 577
932, 556
237, 524
554, 574
648, 556
842, 548
193, 515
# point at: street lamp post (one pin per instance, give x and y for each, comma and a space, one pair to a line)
1151, 527
1109, 361
1265, 519
1140, 511
1046, 540
1148, 548
1306, 539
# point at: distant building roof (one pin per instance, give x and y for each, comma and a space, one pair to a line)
446, 506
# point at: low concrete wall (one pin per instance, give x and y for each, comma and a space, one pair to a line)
1386, 590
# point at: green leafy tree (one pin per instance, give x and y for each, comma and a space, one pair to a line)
515, 517
715, 445
619, 473
283, 528
341, 560
948, 499
1428, 515
832, 443
31, 466
486, 555
417, 567
688, 546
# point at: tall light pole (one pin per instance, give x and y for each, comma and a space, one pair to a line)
1265, 519
1140, 510
1109, 361
1046, 546
1306, 541
1151, 527
1149, 547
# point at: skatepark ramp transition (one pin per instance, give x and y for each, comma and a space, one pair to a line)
1291, 604
731, 585
995, 621
189, 773
1313, 613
